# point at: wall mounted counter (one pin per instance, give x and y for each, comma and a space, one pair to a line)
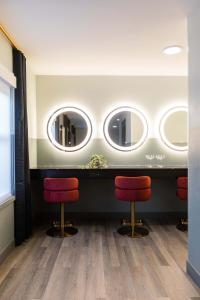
154, 172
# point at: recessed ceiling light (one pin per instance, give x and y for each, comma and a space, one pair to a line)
172, 50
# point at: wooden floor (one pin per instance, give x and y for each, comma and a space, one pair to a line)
99, 264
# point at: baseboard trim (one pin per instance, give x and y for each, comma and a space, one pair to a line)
6, 251
193, 273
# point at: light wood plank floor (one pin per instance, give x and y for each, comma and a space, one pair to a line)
99, 264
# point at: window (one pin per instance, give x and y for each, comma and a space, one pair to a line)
6, 142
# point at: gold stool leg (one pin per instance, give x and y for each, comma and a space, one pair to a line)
62, 219
133, 230
132, 220
62, 231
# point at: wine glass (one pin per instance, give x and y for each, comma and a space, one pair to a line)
160, 158
150, 157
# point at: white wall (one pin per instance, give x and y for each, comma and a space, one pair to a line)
6, 211
194, 142
5, 53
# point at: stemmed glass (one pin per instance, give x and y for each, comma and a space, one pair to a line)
160, 157
150, 157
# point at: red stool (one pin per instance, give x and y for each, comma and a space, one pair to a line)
182, 194
133, 189
61, 190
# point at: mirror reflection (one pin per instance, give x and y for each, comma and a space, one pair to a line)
174, 128
69, 129
125, 129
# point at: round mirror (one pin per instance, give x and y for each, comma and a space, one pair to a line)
174, 130
69, 129
125, 128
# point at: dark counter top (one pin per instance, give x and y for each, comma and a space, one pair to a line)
110, 172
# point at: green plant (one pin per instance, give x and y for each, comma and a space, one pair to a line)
97, 162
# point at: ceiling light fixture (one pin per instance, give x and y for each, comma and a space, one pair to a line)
171, 50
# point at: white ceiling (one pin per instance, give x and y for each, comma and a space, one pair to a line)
99, 37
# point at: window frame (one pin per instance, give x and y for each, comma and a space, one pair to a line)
9, 79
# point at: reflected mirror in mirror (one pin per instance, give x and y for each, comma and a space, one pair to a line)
69, 129
125, 129
174, 128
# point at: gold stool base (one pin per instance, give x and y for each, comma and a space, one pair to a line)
56, 232
139, 231
56, 224
182, 226
127, 222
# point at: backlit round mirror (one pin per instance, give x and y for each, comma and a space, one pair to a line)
125, 128
174, 128
69, 129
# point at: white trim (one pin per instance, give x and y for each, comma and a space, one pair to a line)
7, 250
7, 201
7, 76
193, 272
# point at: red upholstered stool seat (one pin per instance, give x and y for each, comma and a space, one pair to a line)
182, 188
182, 194
133, 189
133, 183
60, 184
61, 196
61, 190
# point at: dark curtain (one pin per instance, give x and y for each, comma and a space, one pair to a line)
23, 216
